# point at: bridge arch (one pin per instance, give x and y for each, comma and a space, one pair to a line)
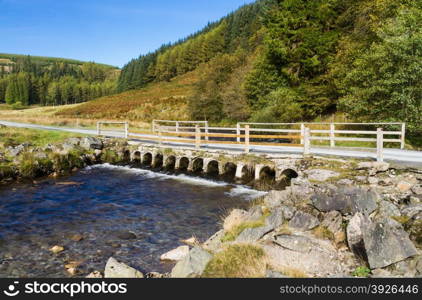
267, 174
289, 174
170, 162
136, 158
198, 165
158, 160
212, 168
183, 164
229, 170
147, 159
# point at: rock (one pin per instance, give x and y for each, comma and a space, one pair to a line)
274, 274
192, 265
295, 243
361, 179
155, 275
276, 198
333, 221
386, 243
412, 210
321, 174
15, 151
373, 180
77, 237
235, 218
72, 271
191, 241
345, 182
91, 143
404, 186
304, 256
276, 219
288, 212
126, 235
95, 274
115, 269
175, 254
303, 221
57, 249
417, 189
374, 167
250, 235
40, 155
214, 242
388, 209
355, 235
381, 273
346, 200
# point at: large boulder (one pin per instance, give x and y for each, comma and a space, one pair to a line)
303, 221
175, 254
115, 269
333, 221
346, 199
193, 265
91, 143
386, 243
214, 242
321, 174
300, 255
15, 151
250, 235
382, 242
355, 235
276, 218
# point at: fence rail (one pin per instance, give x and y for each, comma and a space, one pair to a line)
245, 136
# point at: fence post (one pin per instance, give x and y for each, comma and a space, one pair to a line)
302, 133
332, 135
197, 137
153, 126
247, 146
126, 130
403, 135
307, 142
160, 136
98, 128
206, 130
380, 145
177, 126
238, 132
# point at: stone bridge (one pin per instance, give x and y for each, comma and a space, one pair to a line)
233, 166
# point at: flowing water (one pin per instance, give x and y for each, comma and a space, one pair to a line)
131, 214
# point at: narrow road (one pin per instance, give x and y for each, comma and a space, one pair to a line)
410, 158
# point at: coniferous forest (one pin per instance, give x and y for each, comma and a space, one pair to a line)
290, 60
26, 80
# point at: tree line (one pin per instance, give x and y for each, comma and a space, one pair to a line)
25, 81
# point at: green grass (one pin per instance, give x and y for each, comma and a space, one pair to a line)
237, 261
234, 232
361, 272
15, 136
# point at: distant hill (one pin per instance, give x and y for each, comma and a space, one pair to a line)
6, 59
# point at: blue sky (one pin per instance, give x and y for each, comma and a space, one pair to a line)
106, 31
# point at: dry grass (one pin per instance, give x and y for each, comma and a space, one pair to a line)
237, 261
162, 100
236, 223
323, 232
291, 272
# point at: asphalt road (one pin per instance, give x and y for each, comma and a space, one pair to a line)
407, 157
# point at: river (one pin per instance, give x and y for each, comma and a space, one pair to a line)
132, 214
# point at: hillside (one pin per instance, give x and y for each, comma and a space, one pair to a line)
162, 100
27, 80
284, 61
6, 58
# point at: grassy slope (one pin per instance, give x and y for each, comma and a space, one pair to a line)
162, 100
15, 136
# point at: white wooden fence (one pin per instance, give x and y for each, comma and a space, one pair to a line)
101, 130
268, 134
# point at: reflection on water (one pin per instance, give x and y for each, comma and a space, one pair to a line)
133, 215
